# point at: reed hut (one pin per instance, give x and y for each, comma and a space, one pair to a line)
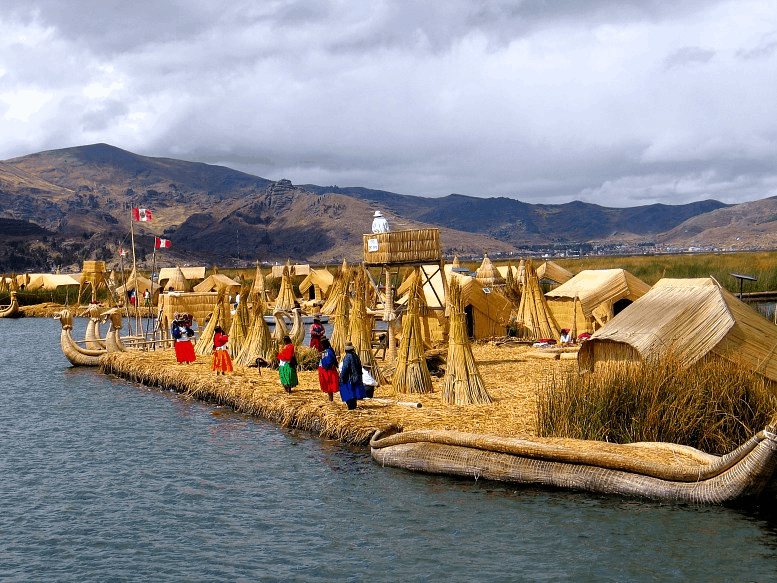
259, 342
462, 384
553, 272
410, 246
176, 282
192, 275
299, 269
199, 305
51, 281
286, 300
488, 275
533, 318
139, 283
602, 294
94, 274
487, 314
316, 284
691, 319
215, 281
221, 317
411, 374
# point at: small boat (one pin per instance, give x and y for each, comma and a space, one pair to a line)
12, 310
626, 469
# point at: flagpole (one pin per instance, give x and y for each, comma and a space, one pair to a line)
135, 273
124, 285
151, 291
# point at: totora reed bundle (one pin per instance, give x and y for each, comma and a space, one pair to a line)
341, 316
285, 300
220, 317
340, 282
462, 384
360, 325
258, 343
411, 374
238, 331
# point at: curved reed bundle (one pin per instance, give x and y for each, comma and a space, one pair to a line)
412, 375
341, 316
285, 300
360, 325
258, 342
238, 331
220, 317
534, 318
462, 384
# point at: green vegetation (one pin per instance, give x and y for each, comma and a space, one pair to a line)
713, 406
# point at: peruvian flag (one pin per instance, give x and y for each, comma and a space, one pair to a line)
162, 243
123, 252
141, 215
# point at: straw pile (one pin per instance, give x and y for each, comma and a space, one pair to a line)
241, 322
360, 326
285, 301
340, 285
412, 375
341, 317
534, 319
258, 342
408, 246
220, 317
462, 384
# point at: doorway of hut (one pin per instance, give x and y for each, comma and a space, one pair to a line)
620, 305
470, 321
312, 293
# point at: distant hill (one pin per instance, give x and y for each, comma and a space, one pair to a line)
81, 199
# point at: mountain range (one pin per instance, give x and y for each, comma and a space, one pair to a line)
62, 206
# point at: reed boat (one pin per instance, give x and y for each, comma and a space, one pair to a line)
95, 346
12, 310
649, 470
73, 352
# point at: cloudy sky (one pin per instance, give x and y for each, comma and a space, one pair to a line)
616, 102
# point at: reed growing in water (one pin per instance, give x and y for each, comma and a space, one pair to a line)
714, 406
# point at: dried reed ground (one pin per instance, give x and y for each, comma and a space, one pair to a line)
512, 381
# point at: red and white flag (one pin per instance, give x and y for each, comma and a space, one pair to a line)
141, 215
162, 243
123, 252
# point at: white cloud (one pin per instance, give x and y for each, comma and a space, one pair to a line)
23, 103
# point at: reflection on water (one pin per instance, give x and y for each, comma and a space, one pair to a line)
106, 480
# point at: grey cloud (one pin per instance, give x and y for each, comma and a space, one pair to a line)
687, 56
763, 51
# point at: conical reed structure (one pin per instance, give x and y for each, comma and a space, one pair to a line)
241, 321
360, 325
260, 285
534, 319
341, 316
258, 343
220, 317
285, 300
411, 374
462, 384
178, 282
341, 281
488, 275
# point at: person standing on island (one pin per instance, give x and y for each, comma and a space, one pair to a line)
351, 386
379, 223
328, 376
316, 333
287, 369
182, 332
222, 363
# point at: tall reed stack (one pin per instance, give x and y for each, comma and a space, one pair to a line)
534, 318
340, 283
220, 317
360, 324
462, 384
411, 374
241, 322
258, 343
285, 300
341, 315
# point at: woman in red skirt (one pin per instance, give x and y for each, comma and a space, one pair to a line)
222, 364
328, 375
182, 332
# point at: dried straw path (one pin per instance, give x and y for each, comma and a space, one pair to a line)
511, 380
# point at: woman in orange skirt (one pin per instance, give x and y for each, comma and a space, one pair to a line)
222, 364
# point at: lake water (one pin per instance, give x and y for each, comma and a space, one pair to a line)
105, 480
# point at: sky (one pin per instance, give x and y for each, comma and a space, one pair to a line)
614, 102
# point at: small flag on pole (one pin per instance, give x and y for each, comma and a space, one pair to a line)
162, 243
141, 215
123, 252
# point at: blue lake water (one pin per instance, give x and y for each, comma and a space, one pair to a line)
105, 480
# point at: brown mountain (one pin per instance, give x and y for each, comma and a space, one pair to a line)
82, 198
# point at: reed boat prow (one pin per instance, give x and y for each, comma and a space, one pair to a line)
630, 469
12, 310
75, 354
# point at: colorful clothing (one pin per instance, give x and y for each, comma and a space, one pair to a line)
184, 349
287, 371
351, 386
221, 360
316, 334
328, 375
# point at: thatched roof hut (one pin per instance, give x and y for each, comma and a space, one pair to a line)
137, 282
552, 271
189, 273
692, 318
215, 281
296, 269
176, 281
488, 275
602, 294
317, 283
50, 282
199, 305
